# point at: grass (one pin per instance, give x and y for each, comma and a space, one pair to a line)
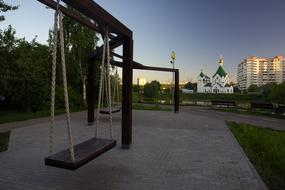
4, 140
232, 97
265, 148
154, 107
247, 112
11, 116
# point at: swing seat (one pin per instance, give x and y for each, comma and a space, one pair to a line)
114, 110
84, 152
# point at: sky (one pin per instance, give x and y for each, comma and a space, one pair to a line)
199, 31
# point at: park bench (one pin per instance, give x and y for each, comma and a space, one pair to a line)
261, 105
280, 109
224, 103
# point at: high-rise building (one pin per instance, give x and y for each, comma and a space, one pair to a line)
260, 71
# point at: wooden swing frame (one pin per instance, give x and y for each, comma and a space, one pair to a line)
119, 35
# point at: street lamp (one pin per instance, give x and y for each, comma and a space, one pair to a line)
173, 58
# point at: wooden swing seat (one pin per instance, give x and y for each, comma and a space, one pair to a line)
84, 152
114, 110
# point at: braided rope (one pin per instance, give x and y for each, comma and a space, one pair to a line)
53, 84
100, 87
66, 100
105, 83
116, 89
109, 88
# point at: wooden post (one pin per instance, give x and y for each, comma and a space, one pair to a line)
91, 91
127, 93
176, 93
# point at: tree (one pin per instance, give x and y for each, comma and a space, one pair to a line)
277, 93
80, 41
191, 86
24, 74
152, 89
267, 89
136, 88
252, 88
236, 89
4, 8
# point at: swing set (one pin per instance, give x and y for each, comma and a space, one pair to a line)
114, 34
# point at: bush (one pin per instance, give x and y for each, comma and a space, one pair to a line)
75, 99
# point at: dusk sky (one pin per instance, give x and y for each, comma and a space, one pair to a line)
198, 30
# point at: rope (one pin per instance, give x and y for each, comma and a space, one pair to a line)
109, 89
100, 87
105, 84
116, 89
71, 146
53, 83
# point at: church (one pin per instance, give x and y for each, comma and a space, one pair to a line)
219, 83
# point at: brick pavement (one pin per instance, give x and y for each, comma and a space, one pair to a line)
170, 151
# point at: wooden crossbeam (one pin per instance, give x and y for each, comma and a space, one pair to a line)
140, 66
92, 10
52, 4
114, 43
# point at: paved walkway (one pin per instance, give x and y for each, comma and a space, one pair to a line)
170, 151
262, 121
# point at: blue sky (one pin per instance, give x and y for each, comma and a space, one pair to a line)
198, 30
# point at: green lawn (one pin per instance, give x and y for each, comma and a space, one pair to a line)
266, 150
10, 116
247, 112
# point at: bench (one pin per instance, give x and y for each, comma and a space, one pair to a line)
224, 103
280, 109
261, 105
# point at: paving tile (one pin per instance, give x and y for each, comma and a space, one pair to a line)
170, 151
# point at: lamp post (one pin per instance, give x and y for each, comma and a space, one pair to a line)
173, 58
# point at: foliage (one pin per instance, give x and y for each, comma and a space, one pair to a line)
136, 88
4, 8
26, 68
75, 100
152, 89
272, 92
277, 93
191, 86
24, 72
236, 89
252, 88
265, 149
80, 41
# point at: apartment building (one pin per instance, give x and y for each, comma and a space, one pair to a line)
260, 71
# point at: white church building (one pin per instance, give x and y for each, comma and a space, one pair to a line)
219, 83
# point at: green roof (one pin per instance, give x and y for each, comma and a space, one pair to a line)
220, 72
203, 75
227, 85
